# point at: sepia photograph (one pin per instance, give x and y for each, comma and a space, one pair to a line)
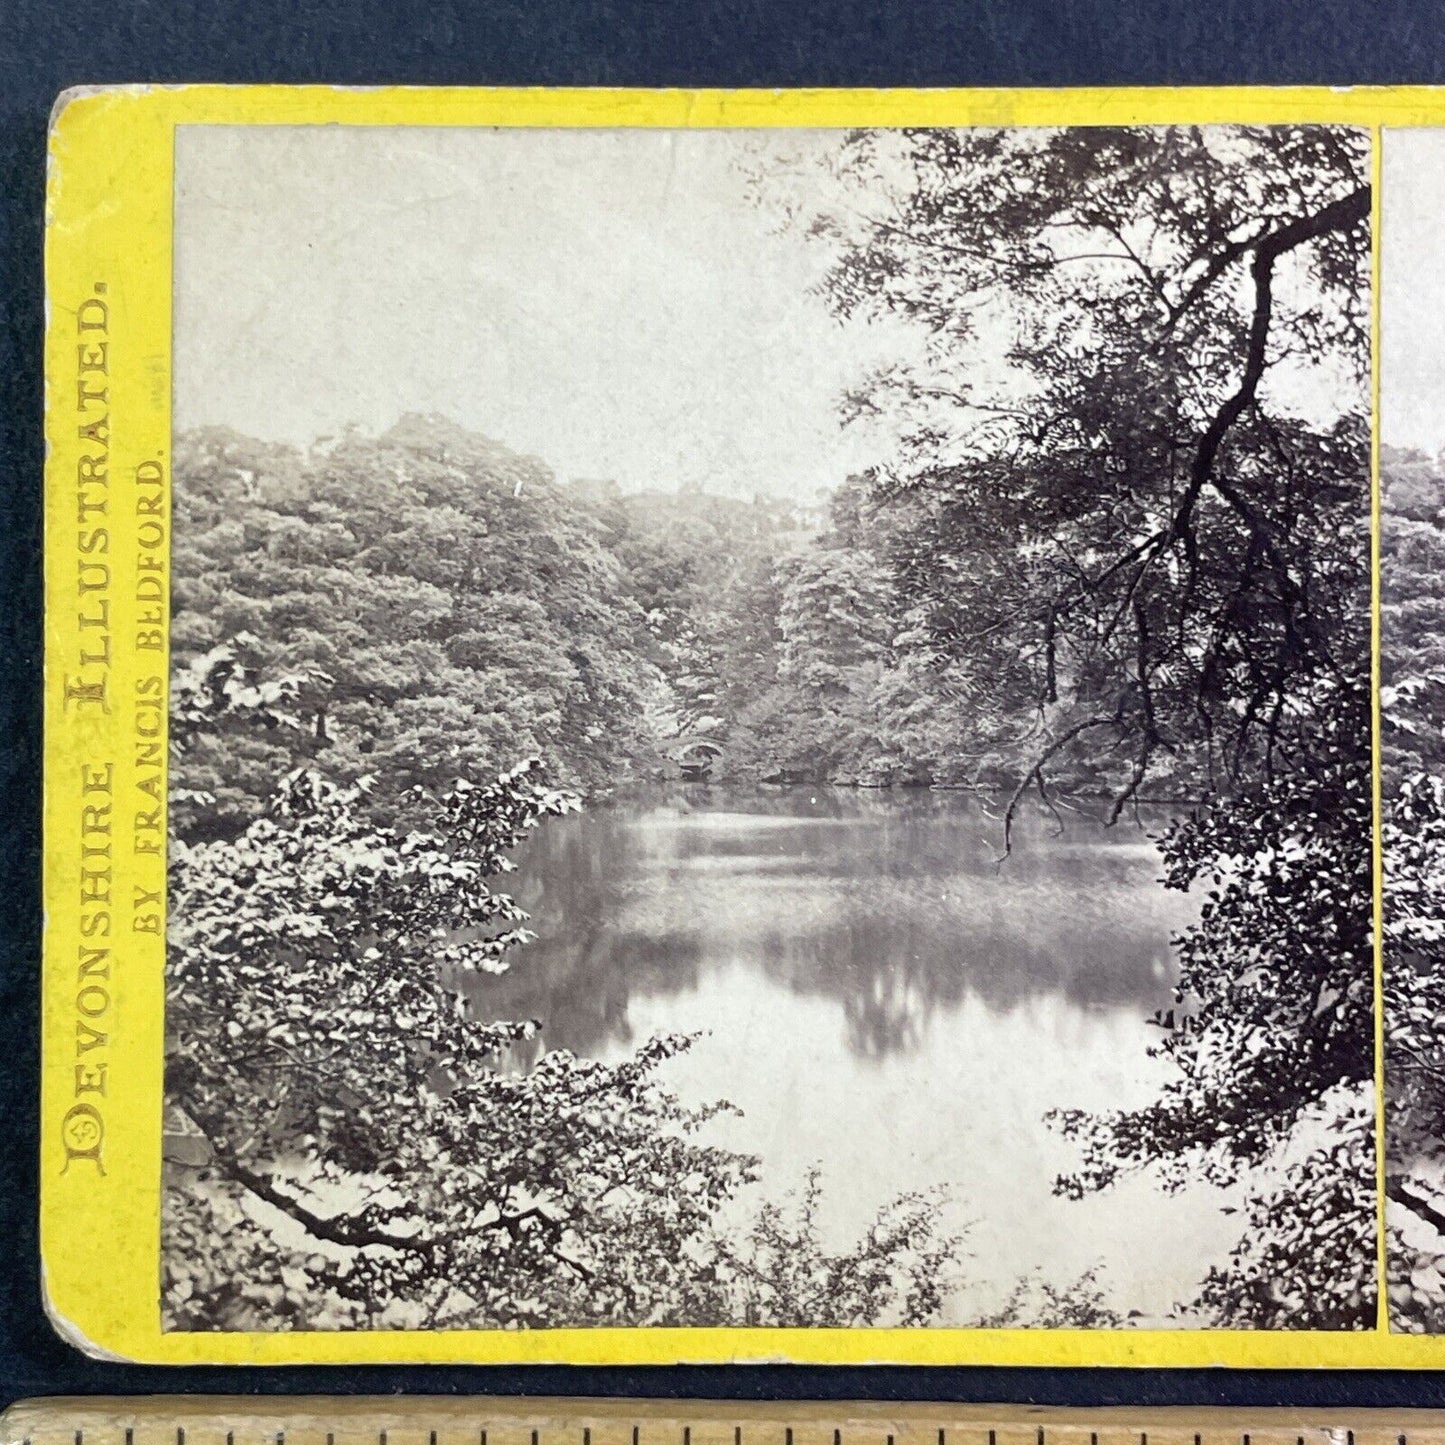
1412, 718
772, 727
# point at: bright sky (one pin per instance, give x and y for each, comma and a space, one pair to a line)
610, 301
1412, 301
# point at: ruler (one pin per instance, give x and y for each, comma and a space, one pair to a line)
421, 1420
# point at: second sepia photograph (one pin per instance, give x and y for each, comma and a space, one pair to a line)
1412, 724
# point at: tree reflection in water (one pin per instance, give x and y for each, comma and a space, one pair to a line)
890, 904
880, 998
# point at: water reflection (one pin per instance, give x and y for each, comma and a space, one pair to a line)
876, 994
893, 905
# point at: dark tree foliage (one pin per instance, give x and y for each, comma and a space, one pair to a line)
1142, 563
1412, 697
704, 571
1040, 1303
777, 1271
451, 607
1158, 555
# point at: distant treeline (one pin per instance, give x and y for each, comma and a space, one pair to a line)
450, 607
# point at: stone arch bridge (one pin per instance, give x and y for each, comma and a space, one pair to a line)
696, 757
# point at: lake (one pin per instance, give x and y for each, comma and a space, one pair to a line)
882, 996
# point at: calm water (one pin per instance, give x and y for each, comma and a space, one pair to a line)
880, 997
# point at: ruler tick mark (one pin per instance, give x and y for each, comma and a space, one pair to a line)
432, 1438
687, 1435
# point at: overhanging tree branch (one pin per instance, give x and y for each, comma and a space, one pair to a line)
1418, 1205
1340, 215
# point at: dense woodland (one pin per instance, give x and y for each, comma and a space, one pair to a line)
452, 607
1135, 571
1412, 635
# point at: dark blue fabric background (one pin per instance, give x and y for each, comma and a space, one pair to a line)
46, 45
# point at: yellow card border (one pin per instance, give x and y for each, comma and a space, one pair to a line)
107, 518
